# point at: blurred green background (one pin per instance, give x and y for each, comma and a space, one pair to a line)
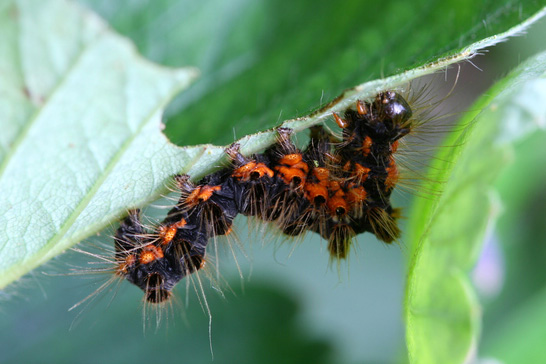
291, 306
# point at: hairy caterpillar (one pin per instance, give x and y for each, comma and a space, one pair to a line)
337, 186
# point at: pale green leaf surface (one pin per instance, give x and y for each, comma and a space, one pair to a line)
79, 108
442, 311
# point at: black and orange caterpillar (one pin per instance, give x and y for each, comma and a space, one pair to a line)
336, 187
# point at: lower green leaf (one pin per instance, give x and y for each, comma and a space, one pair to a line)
442, 312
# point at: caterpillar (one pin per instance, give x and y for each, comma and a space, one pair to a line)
337, 187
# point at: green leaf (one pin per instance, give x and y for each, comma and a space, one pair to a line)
442, 312
265, 61
79, 109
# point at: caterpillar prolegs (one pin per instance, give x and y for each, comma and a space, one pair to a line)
337, 186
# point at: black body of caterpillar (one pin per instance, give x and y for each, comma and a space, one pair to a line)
336, 188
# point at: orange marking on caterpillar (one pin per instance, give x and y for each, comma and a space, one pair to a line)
316, 193
322, 174
337, 204
356, 195
302, 165
361, 108
149, 254
340, 122
394, 147
366, 147
392, 175
201, 194
289, 174
244, 170
361, 172
293, 168
167, 232
123, 267
252, 170
291, 159
192, 199
207, 191
263, 170
334, 186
